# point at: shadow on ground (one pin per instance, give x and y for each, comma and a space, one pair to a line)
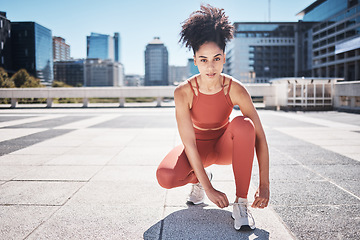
196, 222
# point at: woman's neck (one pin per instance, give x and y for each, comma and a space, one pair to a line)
210, 85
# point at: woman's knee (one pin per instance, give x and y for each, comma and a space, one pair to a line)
165, 177
241, 124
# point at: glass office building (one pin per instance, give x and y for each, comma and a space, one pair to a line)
5, 43
70, 72
156, 64
335, 38
32, 50
261, 51
103, 46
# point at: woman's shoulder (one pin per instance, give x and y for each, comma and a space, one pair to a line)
236, 85
184, 86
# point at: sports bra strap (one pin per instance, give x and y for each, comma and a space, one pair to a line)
197, 85
191, 87
230, 81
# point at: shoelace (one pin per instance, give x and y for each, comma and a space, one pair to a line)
196, 189
243, 212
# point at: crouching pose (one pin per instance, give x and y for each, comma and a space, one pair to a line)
203, 105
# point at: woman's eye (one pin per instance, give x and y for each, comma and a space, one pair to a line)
203, 60
217, 59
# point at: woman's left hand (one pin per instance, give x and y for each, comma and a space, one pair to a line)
261, 197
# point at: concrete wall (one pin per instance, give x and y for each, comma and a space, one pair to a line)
347, 96
257, 90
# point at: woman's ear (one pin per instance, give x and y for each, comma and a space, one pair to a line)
195, 61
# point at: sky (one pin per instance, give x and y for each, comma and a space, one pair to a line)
139, 21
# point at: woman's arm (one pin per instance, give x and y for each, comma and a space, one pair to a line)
240, 96
182, 96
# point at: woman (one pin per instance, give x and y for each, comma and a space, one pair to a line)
203, 105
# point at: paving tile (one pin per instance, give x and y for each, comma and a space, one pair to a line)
59, 173
113, 193
8, 134
101, 222
322, 222
32, 150
305, 193
18, 159
126, 174
10, 172
288, 172
39, 193
13, 117
140, 156
151, 121
76, 160
51, 123
86, 150
19, 221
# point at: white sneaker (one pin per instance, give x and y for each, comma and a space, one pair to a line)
242, 215
197, 193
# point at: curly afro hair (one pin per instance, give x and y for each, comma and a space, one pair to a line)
209, 24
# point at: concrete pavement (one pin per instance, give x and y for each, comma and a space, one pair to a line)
73, 173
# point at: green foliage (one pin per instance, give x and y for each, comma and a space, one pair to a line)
59, 84
22, 79
5, 82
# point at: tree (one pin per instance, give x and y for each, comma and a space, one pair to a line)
59, 84
32, 82
5, 82
23, 79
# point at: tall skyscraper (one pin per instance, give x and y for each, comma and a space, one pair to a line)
103, 46
5, 43
61, 50
32, 50
156, 63
117, 44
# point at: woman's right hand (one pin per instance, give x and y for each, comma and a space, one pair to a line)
217, 197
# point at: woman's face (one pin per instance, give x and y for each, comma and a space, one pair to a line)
210, 60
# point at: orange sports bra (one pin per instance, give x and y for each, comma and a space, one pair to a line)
211, 110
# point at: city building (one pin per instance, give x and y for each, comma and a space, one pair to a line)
101, 73
61, 50
177, 74
134, 80
192, 69
261, 51
32, 50
156, 63
103, 46
5, 42
70, 72
335, 38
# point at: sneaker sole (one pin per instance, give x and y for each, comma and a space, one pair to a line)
194, 203
243, 227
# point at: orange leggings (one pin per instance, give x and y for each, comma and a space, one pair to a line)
234, 144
